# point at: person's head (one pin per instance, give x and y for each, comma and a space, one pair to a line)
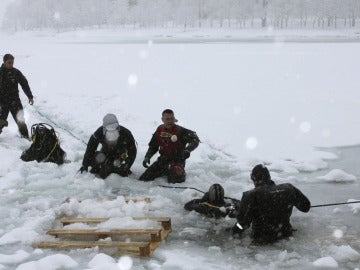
168, 118
110, 127
8, 60
216, 193
260, 175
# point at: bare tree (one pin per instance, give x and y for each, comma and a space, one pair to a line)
74, 14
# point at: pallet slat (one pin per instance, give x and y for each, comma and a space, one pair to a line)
155, 234
127, 200
68, 221
142, 247
89, 244
136, 200
165, 221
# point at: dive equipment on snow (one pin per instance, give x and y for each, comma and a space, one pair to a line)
45, 146
196, 190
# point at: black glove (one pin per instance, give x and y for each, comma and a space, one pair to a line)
146, 162
124, 167
231, 211
83, 169
186, 154
3, 123
124, 170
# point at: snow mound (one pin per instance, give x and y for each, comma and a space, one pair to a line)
18, 257
291, 166
38, 251
52, 262
344, 253
355, 208
326, 262
102, 261
24, 235
338, 176
125, 263
180, 260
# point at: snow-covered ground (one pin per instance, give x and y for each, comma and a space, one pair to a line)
250, 102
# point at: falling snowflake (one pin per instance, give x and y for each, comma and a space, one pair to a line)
338, 234
251, 143
305, 127
57, 16
132, 79
20, 116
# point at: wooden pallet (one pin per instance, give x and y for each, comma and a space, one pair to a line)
136, 249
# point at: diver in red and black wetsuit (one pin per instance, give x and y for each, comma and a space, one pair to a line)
174, 144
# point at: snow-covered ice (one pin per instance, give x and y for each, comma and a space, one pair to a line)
249, 103
52, 262
326, 262
344, 253
338, 176
102, 261
17, 257
355, 208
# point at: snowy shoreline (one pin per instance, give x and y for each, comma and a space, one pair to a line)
196, 35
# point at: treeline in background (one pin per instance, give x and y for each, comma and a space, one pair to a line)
76, 14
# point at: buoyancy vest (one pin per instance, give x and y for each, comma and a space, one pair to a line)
169, 140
